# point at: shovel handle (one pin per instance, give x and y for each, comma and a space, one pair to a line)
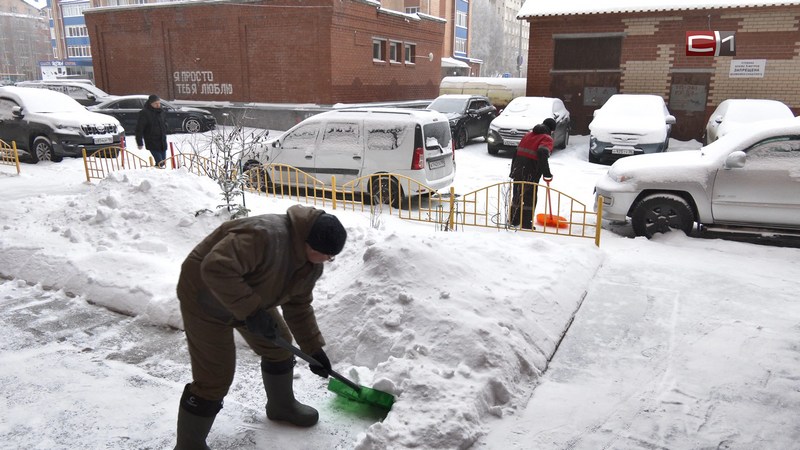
281, 342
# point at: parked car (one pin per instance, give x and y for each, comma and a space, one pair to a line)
732, 114
627, 125
180, 119
520, 116
49, 125
84, 93
353, 143
469, 115
747, 178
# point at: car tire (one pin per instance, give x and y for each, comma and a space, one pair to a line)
385, 190
660, 213
461, 138
566, 141
192, 125
43, 150
492, 150
593, 159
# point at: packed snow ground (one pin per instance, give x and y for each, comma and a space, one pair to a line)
677, 343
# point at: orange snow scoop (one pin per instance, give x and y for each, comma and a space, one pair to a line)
549, 220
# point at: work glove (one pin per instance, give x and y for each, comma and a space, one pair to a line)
324, 369
262, 323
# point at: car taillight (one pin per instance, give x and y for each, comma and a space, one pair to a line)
418, 160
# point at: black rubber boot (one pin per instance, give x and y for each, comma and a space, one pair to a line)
281, 404
195, 417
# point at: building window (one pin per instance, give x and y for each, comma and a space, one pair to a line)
79, 51
461, 19
73, 10
378, 50
595, 53
461, 45
76, 31
412, 9
410, 53
394, 52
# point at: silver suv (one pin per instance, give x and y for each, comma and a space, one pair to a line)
48, 125
748, 178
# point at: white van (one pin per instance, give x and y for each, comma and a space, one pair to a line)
353, 143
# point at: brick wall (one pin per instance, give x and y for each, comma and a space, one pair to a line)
284, 51
653, 54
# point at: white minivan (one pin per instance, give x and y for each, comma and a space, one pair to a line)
359, 142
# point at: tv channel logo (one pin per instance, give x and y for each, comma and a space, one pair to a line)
710, 43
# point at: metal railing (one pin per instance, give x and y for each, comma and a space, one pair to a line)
9, 156
102, 162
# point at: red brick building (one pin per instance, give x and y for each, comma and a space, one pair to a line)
583, 52
281, 51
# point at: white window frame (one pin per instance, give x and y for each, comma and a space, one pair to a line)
395, 52
461, 19
73, 10
76, 31
409, 52
460, 45
381, 47
79, 51
412, 9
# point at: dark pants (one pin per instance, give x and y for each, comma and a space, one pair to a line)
159, 156
523, 200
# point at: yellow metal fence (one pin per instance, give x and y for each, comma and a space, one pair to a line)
9, 156
384, 193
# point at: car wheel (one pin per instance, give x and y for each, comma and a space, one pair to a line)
565, 143
660, 213
192, 125
492, 150
385, 190
593, 159
43, 150
461, 138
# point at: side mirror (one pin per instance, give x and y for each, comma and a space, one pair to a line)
671, 119
718, 119
556, 116
735, 160
91, 97
276, 144
16, 112
594, 114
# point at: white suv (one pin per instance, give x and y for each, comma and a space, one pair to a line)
48, 125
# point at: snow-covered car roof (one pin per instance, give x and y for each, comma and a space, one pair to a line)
634, 104
537, 8
746, 110
42, 100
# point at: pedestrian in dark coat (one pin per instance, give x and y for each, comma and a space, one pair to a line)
236, 279
151, 130
529, 165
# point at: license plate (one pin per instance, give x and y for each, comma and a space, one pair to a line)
103, 139
438, 164
510, 142
622, 151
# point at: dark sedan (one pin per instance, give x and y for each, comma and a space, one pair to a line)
180, 119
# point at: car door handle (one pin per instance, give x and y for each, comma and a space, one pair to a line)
309, 157
356, 157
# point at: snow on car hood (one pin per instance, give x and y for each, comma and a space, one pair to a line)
651, 128
682, 166
525, 120
83, 118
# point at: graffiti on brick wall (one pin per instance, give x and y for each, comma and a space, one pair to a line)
194, 82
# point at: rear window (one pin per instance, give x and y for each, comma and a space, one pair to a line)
440, 131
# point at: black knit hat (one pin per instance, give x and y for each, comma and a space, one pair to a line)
327, 235
152, 98
550, 123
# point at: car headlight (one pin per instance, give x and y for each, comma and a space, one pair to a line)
619, 177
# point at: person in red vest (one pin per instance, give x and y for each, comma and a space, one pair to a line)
530, 164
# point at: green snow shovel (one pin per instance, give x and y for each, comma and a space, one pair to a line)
342, 386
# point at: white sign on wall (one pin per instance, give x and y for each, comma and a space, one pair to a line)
748, 68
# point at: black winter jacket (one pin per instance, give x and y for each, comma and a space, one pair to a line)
151, 129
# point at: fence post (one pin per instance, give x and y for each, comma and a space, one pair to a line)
333, 193
122, 149
16, 154
599, 220
452, 217
85, 164
172, 154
